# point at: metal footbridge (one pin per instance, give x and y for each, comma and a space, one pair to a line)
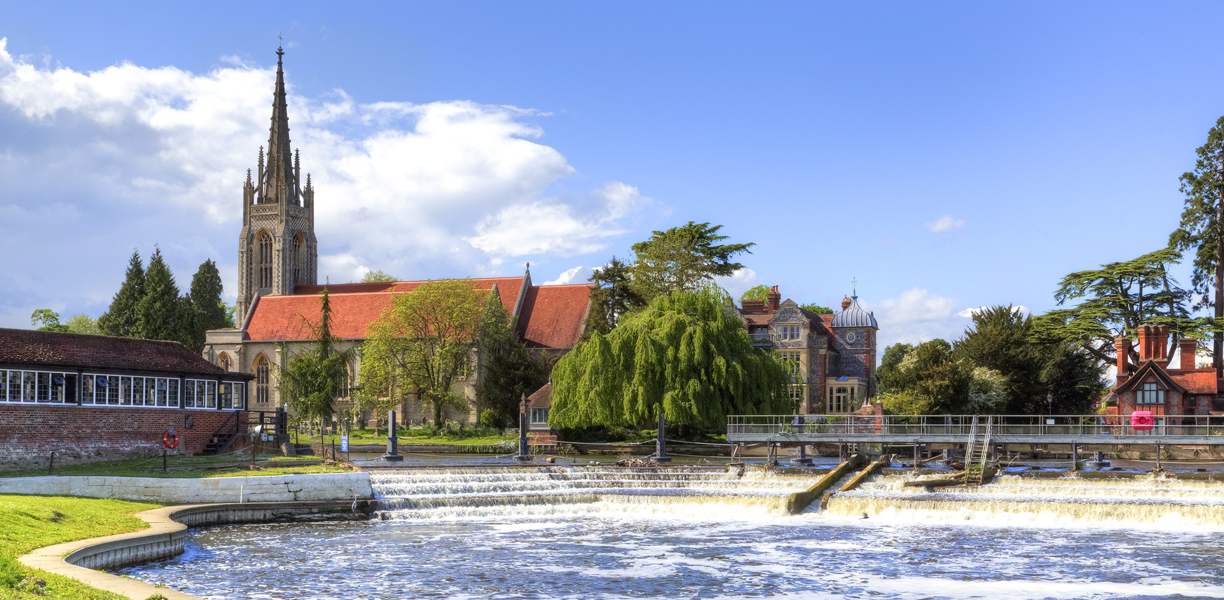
792, 430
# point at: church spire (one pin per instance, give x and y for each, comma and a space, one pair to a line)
280, 181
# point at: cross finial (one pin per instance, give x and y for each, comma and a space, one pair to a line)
854, 283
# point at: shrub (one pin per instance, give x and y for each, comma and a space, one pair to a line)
492, 419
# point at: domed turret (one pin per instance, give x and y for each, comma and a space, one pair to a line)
852, 315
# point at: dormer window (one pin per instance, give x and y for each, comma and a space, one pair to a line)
1150, 393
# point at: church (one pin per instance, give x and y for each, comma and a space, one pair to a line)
278, 288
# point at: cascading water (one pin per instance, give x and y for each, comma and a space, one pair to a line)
443, 493
1012, 499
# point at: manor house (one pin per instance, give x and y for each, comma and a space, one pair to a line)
832, 357
278, 291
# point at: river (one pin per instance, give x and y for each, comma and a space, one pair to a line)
602, 532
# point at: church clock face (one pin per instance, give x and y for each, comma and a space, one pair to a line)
851, 337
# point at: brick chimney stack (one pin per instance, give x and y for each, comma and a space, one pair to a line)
1153, 343
1122, 346
773, 298
1187, 348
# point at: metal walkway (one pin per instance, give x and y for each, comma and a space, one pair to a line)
956, 429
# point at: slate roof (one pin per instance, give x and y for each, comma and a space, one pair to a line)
71, 351
854, 316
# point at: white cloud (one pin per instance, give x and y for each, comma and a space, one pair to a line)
916, 316
969, 312
568, 277
131, 156
944, 223
739, 282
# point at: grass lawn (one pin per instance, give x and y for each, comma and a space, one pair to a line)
31, 522
190, 467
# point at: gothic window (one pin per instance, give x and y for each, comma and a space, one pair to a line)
265, 260
261, 380
223, 361
299, 259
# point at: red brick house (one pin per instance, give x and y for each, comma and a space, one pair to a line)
1154, 386
92, 397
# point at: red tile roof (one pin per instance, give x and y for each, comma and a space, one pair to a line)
1196, 382
345, 288
70, 351
553, 315
541, 398
278, 318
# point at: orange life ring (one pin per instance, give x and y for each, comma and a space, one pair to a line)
170, 439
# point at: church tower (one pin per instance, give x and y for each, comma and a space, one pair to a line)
277, 249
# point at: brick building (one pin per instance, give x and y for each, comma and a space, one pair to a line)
278, 291
89, 397
1154, 386
833, 357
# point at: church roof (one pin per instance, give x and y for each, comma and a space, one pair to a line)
71, 351
854, 316
553, 315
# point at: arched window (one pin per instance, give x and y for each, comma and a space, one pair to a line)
223, 361
299, 259
261, 379
840, 400
265, 260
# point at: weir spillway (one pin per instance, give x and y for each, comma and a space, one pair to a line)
456, 492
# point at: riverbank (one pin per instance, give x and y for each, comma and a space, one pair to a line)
179, 466
164, 537
32, 522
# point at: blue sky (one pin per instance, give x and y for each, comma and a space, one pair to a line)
947, 155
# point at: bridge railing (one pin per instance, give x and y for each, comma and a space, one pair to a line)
960, 425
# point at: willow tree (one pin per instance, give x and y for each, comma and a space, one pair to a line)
422, 344
315, 378
683, 355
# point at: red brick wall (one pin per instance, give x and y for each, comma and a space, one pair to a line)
28, 434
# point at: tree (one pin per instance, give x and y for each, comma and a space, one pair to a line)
377, 277
889, 374
421, 344
84, 324
46, 319
612, 297
816, 309
161, 314
207, 310
999, 339
683, 355
121, 318
936, 378
1113, 301
760, 292
1202, 230
509, 370
314, 378
683, 258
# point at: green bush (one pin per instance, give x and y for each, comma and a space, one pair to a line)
491, 419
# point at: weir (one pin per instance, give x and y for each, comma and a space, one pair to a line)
457, 492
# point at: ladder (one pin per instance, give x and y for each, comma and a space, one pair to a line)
977, 452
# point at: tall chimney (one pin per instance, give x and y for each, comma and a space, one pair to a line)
773, 298
1187, 347
1122, 346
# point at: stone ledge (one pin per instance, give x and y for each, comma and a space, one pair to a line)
165, 538
256, 488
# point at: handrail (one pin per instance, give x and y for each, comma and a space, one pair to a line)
1001, 426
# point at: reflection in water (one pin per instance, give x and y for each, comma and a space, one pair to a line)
467, 533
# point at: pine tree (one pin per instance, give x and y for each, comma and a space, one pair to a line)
120, 319
204, 302
160, 315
